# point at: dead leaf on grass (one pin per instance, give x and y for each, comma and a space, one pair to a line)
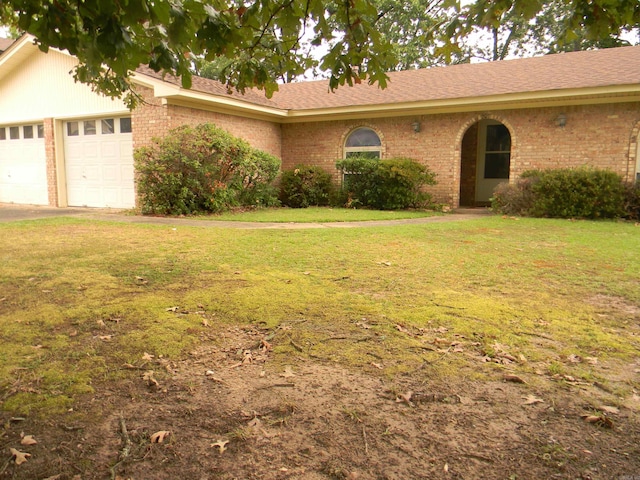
591, 360
150, 379
28, 440
205, 322
513, 378
141, 280
147, 357
159, 437
402, 329
600, 420
377, 365
288, 372
54, 477
172, 309
609, 409
574, 358
221, 444
101, 323
532, 400
20, 457
404, 398
105, 338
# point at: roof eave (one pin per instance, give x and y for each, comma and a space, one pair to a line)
176, 95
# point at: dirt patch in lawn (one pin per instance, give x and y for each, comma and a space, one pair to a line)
234, 410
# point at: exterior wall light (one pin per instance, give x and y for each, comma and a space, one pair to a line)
416, 126
561, 120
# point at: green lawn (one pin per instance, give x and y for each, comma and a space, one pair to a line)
79, 299
318, 215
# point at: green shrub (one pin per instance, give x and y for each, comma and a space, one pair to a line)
305, 186
632, 200
578, 193
564, 193
202, 169
390, 184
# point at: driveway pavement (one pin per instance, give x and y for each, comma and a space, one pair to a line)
13, 213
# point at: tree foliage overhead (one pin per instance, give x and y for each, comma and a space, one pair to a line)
111, 39
258, 42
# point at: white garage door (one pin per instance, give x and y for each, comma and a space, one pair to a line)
99, 163
23, 165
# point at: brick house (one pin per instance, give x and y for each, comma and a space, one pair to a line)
474, 125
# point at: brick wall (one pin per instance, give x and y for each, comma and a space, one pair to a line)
152, 118
594, 135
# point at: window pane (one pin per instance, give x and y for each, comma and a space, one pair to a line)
496, 165
14, 133
3, 133
125, 125
107, 126
27, 131
73, 129
363, 137
40, 130
89, 127
498, 139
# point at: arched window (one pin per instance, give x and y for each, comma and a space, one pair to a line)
363, 142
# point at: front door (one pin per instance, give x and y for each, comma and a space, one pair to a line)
494, 158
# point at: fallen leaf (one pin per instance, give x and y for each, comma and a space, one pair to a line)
591, 360
288, 372
513, 378
150, 379
522, 358
446, 468
377, 365
159, 437
101, 323
205, 322
147, 356
28, 440
599, 420
574, 358
402, 329
105, 338
306, 273
531, 400
404, 398
248, 357
20, 457
221, 444
172, 309
609, 409
385, 263
54, 477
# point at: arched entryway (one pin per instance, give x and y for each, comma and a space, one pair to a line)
485, 161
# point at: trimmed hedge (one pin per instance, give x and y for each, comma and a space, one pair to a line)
305, 186
203, 169
563, 193
389, 184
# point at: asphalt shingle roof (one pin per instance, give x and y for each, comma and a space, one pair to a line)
565, 71
596, 68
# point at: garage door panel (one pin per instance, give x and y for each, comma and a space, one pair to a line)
23, 168
100, 168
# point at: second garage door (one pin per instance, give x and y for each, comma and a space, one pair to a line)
99, 163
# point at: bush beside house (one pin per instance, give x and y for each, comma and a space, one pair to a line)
389, 184
568, 193
305, 186
203, 169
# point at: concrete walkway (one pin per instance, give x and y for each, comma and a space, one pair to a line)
13, 213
